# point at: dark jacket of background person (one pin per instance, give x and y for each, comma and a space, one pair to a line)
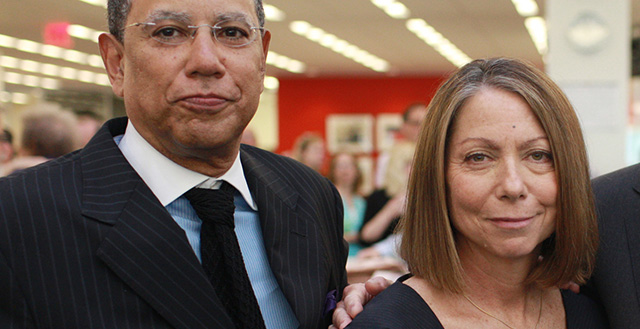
617, 274
84, 243
375, 202
385, 205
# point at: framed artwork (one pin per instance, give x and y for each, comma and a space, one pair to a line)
352, 133
387, 126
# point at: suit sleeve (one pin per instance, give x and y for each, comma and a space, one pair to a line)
339, 254
344, 246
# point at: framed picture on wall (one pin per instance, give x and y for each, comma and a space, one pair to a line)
349, 133
387, 126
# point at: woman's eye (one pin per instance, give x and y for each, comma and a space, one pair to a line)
476, 157
540, 156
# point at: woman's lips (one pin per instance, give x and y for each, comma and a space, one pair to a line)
512, 222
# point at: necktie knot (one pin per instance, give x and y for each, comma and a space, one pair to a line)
213, 205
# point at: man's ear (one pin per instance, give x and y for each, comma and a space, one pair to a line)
266, 39
112, 52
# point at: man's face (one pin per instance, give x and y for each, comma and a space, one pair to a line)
193, 100
411, 128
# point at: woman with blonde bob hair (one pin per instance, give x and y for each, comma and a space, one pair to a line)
499, 210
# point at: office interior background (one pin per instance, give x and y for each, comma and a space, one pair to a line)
346, 68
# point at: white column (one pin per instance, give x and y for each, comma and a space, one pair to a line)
589, 57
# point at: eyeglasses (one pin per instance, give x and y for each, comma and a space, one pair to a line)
229, 33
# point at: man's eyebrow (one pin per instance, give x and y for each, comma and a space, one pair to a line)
186, 18
169, 15
235, 16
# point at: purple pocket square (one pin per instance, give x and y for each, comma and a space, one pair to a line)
330, 302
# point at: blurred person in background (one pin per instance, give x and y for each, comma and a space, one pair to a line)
7, 151
88, 124
385, 205
388, 247
412, 118
47, 133
309, 149
347, 177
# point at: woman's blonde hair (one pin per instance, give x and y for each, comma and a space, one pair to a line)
428, 243
397, 175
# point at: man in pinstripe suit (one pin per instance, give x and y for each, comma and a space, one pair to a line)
104, 238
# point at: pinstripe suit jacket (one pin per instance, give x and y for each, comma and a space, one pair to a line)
617, 274
85, 244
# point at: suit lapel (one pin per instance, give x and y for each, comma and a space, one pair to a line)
145, 247
290, 240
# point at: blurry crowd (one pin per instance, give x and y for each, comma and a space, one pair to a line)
43, 133
370, 216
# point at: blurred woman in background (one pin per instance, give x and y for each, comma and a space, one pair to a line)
309, 149
347, 177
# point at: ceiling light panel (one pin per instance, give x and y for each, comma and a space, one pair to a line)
53, 71
51, 51
537, 28
526, 8
395, 9
272, 13
271, 83
99, 3
285, 63
437, 41
339, 46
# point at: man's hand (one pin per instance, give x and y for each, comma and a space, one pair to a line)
354, 298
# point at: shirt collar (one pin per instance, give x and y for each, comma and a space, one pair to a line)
167, 179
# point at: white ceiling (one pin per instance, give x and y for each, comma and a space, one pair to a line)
480, 28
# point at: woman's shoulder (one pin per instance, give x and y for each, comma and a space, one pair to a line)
398, 306
583, 311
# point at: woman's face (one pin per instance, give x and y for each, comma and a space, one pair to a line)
313, 155
500, 177
345, 170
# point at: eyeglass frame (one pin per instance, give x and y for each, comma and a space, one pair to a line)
195, 29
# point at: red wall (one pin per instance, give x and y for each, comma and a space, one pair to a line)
303, 104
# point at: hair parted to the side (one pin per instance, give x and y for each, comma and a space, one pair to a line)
428, 243
118, 10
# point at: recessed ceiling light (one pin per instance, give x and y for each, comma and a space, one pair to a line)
271, 13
